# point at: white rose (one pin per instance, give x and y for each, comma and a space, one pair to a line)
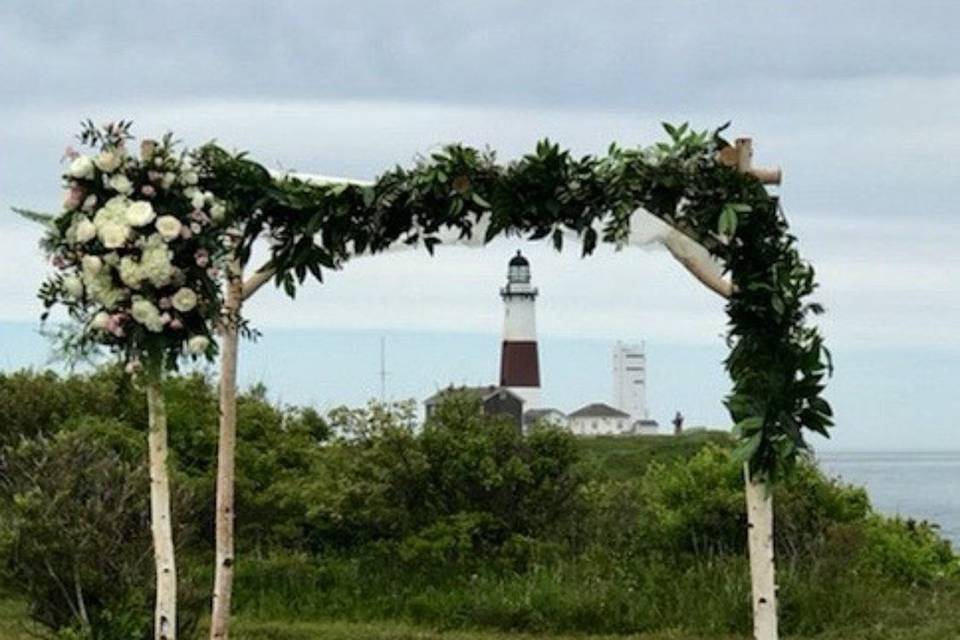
198, 344
190, 177
197, 200
121, 184
89, 203
155, 262
184, 300
168, 179
91, 265
168, 227
113, 235
81, 167
144, 312
140, 213
111, 259
84, 231
73, 287
109, 161
100, 321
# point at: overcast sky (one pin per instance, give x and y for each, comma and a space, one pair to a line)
857, 101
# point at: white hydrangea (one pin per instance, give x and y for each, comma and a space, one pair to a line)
198, 344
156, 262
84, 230
130, 272
147, 314
91, 265
113, 210
184, 300
100, 288
89, 203
168, 179
140, 213
81, 168
109, 161
121, 184
218, 212
73, 287
197, 200
190, 177
168, 227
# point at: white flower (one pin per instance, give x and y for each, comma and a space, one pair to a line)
197, 200
81, 167
100, 321
218, 211
73, 287
168, 179
130, 272
109, 161
184, 300
100, 288
190, 177
144, 312
89, 203
140, 213
111, 258
198, 344
168, 227
155, 263
121, 184
84, 230
91, 265
113, 235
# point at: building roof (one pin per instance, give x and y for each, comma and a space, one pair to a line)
536, 414
484, 392
598, 410
518, 260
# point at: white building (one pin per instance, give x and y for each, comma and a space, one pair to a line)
600, 419
519, 359
630, 386
549, 415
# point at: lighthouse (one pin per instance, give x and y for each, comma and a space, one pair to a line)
519, 361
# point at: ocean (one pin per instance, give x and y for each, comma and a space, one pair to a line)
923, 486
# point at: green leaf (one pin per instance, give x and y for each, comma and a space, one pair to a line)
46, 219
747, 448
727, 225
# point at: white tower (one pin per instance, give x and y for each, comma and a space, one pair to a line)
630, 380
519, 361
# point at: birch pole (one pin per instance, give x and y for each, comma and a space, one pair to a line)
237, 292
759, 495
226, 454
165, 614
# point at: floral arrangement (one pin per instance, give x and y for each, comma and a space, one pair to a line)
138, 250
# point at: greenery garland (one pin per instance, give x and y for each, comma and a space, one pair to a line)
777, 362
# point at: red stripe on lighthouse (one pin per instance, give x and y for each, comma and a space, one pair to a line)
519, 364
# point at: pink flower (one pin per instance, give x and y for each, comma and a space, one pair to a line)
165, 318
176, 324
165, 303
59, 262
70, 154
155, 176
213, 272
115, 324
185, 232
148, 190
73, 198
202, 256
199, 216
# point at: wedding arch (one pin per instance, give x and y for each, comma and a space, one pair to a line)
696, 193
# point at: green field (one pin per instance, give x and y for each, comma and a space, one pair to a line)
626, 458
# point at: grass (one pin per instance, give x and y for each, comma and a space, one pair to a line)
14, 624
622, 458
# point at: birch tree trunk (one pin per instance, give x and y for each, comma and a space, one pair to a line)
762, 571
165, 614
227, 442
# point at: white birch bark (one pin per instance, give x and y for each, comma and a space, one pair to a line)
161, 526
226, 448
762, 569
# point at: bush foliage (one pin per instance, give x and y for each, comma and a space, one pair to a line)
365, 514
